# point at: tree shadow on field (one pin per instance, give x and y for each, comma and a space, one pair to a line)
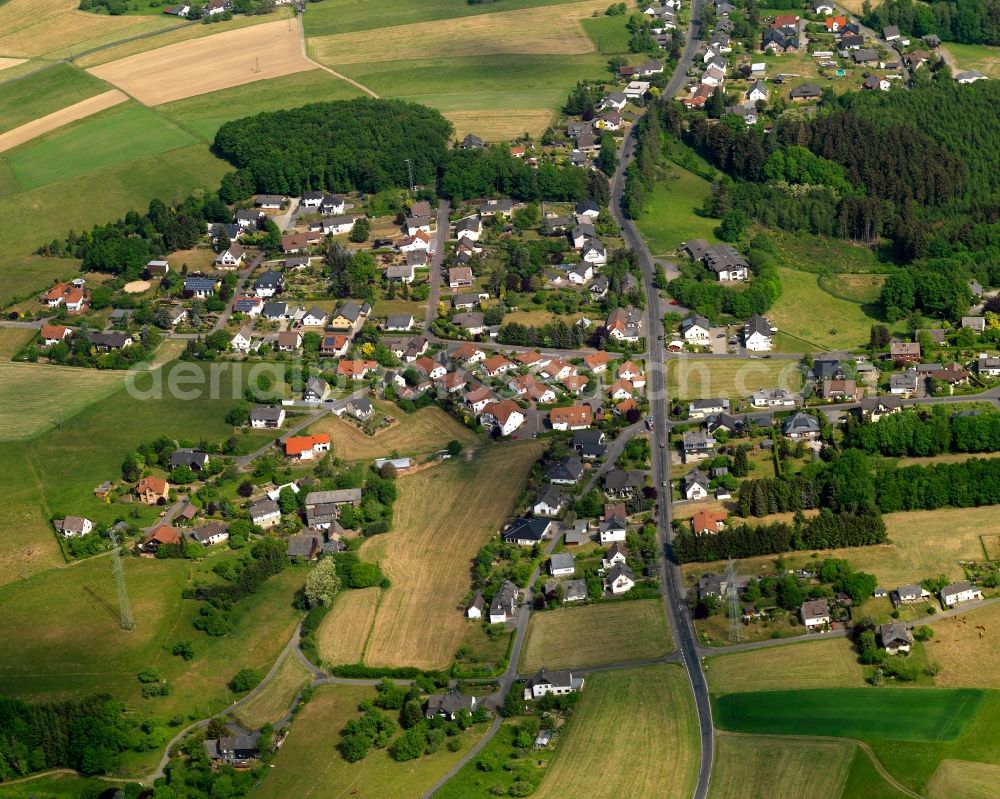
103, 602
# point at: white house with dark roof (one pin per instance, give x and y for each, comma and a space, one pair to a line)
557, 683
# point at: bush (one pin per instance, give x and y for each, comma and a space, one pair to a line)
245, 680
149, 675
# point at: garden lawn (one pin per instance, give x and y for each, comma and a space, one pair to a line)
423, 432
442, 518
842, 324
691, 378
897, 714
309, 763
634, 733
613, 632
672, 212
44, 92
790, 666
206, 113
124, 133
757, 765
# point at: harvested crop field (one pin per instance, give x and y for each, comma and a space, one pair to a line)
7, 63
344, 631
271, 704
962, 645
500, 124
421, 433
595, 635
961, 778
528, 31
757, 765
33, 396
442, 518
787, 666
84, 108
634, 733
237, 57
57, 28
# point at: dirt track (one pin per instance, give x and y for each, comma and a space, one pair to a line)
182, 70
71, 113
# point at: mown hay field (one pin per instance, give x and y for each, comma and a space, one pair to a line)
343, 633
271, 704
963, 645
595, 635
757, 765
634, 733
442, 518
786, 666
45, 92
963, 779
55, 120
691, 378
237, 57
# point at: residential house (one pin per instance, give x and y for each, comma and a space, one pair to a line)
551, 502
977, 324
962, 591
231, 258
574, 417
356, 369
815, 614
479, 398
708, 522
468, 353
459, 277
350, 316
450, 705
589, 443
561, 565
163, 535
418, 241
699, 409
842, 391
153, 490
895, 637
503, 207
801, 425
970, 76
597, 362
909, 594
306, 448
758, 334
695, 484
401, 272
210, 533
696, 331
250, 306
334, 345
807, 91
304, 546
106, 342
904, 384
200, 287
276, 311
904, 352
267, 416
617, 554
619, 484
269, 283
497, 365
874, 408
727, 263
73, 526
315, 390
557, 683
527, 532
399, 322
864, 55
233, 750
625, 324
503, 415
360, 409
476, 607
53, 334
773, 398
620, 390
66, 294
986, 365
697, 445
620, 579
614, 527
265, 512
568, 471
192, 458
289, 340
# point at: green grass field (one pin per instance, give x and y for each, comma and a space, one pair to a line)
671, 214
897, 714
43, 93
31, 274
325, 19
634, 728
124, 133
976, 56
309, 764
786, 667
843, 324
204, 114
597, 634
864, 781
608, 34
823, 255
691, 378
58, 786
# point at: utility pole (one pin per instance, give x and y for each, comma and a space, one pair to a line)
733, 597
125, 608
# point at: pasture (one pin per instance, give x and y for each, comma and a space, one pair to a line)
959, 778
206, 113
976, 56
239, 56
309, 764
33, 397
57, 29
527, 31
45, 92
442, 518
921, 543
786, 667
863, 288
634, 728
865, 782
58, 119
342, 635
595, 635
896, 714
673, 211
126, 133
421, 433
690, 378
962, 644
760, 765
12, 339
271, 704
62, 637
842, 325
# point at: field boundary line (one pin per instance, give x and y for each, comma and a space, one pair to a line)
371, 627
311, 60
57, 120
864, 747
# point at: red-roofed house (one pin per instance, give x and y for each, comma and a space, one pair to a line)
575, 417
705, 522
152, 490
65, 294
53, 334
505, 415
356, 369
835, 24
164, 534
597, 362
307, 447
469, 353
575, 384
496, 365
630, 371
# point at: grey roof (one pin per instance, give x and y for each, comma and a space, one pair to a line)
574, 590
894, 631
552, 497
801, 422
559, 679
316, 386
621, 570
449, 704
561, 560
569, 468
955, 588
814, 608
696, 477
264, 507
399, 320
303, 546
526, 530
806, 90
338, 497
188, 457
274, 310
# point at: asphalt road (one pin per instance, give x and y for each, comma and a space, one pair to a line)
673, 591
434, 280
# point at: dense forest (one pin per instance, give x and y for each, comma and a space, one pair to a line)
361, 144
86, 735
922, 433
966, 21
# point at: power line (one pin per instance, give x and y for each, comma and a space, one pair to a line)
127, 622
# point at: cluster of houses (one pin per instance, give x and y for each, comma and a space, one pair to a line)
756, 334
714, 64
